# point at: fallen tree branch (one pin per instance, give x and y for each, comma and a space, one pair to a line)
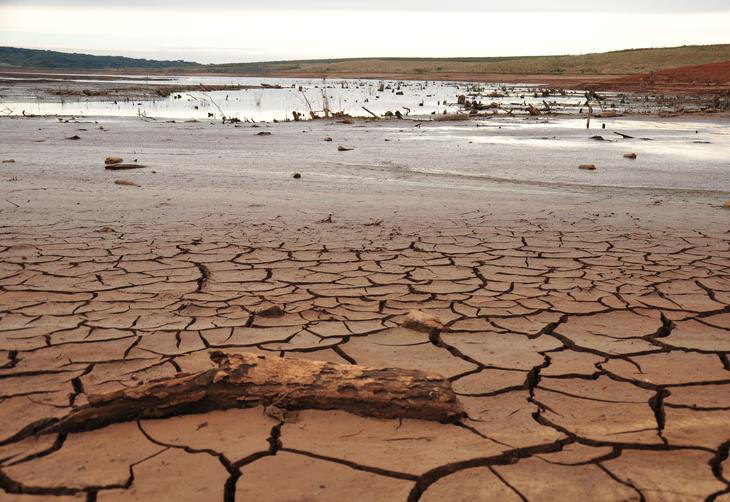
246, 380
625, 136
371, 113
312, 114
223, 115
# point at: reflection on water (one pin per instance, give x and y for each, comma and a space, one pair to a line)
353, 97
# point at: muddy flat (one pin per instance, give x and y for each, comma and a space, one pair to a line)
586, 314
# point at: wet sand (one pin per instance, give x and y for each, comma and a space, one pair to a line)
588, 318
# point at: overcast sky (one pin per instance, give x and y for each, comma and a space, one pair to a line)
230, 31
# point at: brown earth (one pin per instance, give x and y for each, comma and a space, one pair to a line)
711, 78
587, 329
592, 361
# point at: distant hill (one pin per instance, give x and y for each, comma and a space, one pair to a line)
624, 62
12, 57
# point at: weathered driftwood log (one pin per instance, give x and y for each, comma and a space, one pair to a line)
123, 167
245, 380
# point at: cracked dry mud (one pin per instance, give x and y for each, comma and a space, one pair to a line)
593, 362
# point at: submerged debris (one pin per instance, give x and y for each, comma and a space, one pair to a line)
625, 136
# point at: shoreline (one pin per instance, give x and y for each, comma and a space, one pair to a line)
594, 82
200, 169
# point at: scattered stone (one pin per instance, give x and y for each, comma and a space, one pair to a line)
296, 176
9, 161
418, 320
74, 137
727, 204
281, 414
270, 311
631, 156
587, 167
263, 133
126, 183
341, 148
113, 160
327, 138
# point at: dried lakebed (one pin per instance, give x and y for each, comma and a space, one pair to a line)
587, 314
592, 362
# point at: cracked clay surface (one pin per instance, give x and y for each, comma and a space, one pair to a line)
593, 361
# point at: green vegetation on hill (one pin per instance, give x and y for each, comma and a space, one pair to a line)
617, 62
11, 57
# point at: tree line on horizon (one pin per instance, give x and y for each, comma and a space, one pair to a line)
14, 57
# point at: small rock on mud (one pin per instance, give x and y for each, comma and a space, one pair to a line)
281, 414
418, 320
9, 161
270, 311
341, 148
296, 176
631, 156
126, 183
113, 160
587, 167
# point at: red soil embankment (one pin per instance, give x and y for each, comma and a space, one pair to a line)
711, 78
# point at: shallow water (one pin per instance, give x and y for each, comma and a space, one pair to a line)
415, 98
673, 153
680, 154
